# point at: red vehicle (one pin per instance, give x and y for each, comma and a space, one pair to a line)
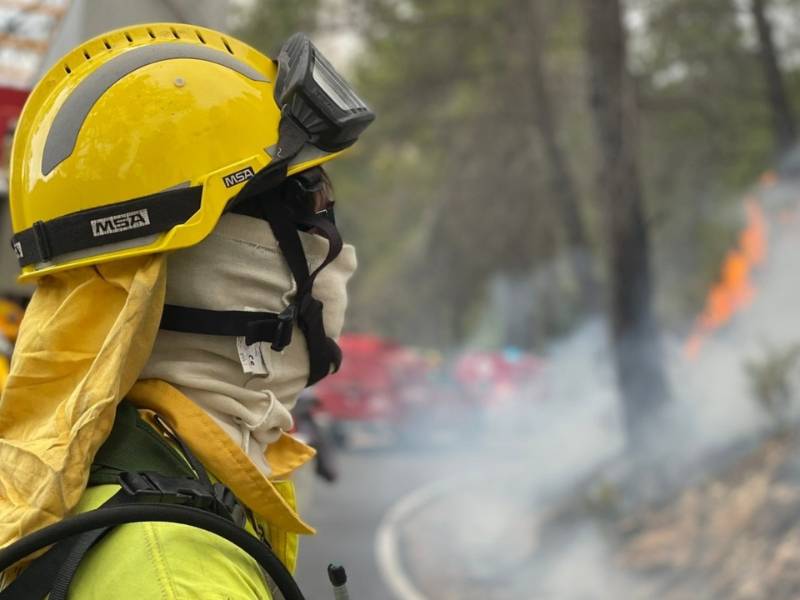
498, 380
390, 390
375, 387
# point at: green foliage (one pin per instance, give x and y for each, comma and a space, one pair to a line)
448, 190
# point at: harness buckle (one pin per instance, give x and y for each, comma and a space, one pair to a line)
160, 489
155, 488
283, 329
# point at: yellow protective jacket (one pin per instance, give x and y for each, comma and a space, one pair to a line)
162, 561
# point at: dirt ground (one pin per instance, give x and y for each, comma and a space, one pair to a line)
735, 535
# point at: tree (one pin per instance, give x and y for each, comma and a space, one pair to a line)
637, 352
476, 168
783, 121
561, 180
458, 153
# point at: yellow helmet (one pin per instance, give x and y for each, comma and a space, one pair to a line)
137, 141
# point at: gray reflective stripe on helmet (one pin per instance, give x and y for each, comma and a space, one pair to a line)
64, 131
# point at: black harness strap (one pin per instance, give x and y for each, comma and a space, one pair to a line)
47, 572
69, 568
137, 512
119, 222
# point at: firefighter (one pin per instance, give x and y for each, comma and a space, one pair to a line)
167, 197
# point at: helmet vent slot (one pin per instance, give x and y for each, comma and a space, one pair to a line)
128, 37
151, 34
87, 55
227, 45
200, 36
175, 33
107, 45
67, 69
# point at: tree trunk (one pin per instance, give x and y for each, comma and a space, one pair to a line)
783, 122
638, 359
561, 180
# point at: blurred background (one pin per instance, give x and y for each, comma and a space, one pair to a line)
573, 351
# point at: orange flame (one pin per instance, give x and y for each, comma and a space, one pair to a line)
734, 290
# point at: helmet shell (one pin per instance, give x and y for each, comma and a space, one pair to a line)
138, 111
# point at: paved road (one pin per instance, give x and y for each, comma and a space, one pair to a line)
563, 440
348, 513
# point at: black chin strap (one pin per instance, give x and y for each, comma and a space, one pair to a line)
324, 353
260, 198
253, 326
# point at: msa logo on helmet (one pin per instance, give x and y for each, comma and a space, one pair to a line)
239, 177
118, 223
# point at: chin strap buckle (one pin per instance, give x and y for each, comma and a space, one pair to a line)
283, 328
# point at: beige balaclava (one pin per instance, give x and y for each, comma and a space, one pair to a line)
248, 390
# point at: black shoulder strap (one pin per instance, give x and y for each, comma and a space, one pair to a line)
48, 571
65, 532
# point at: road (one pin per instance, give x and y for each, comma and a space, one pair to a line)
348, 513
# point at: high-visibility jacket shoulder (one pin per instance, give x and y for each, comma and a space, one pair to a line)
164, 561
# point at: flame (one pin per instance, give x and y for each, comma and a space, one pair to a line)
734, 291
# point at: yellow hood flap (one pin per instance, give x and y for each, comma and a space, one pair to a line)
85, 337
217, 451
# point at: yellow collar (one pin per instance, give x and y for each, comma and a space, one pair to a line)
217, 451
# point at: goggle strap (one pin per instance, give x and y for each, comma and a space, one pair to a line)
291, 140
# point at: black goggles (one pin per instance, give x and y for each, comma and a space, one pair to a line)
318, 98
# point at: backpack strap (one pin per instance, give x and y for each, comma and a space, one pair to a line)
166, 513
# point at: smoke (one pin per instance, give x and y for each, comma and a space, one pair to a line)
535, 492
494, 527
536, 516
